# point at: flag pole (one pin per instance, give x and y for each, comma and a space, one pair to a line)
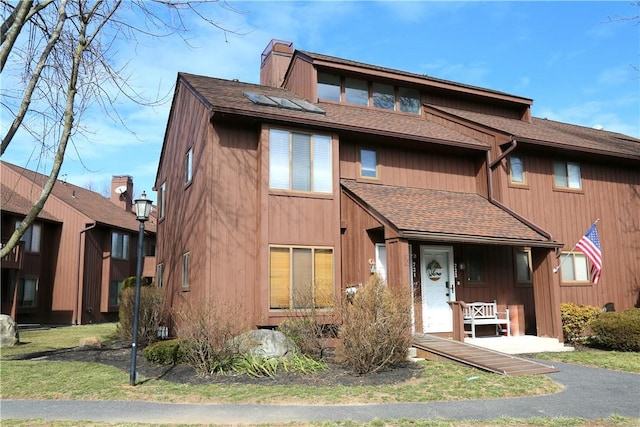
555, 270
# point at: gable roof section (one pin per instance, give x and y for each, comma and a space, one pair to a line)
87, 202
226, 97
444, 215
12, 202
555, 134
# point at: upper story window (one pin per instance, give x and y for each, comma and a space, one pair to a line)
356, 91
366, 93
409, 100
329, 87
162, 194
567, 175
31, 237
188, 166
185, 271
368, 163
300, 162
516, 170
119, 245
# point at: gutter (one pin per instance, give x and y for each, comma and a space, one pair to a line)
78, 310
490, 166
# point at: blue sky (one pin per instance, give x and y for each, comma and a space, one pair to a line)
574, 59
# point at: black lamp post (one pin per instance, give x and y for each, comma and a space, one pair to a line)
143, 209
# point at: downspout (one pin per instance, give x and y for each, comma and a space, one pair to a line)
78, 310
490, 166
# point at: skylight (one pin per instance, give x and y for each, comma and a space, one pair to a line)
280, 102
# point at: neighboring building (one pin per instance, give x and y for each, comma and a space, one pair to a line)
71, 263
332, 169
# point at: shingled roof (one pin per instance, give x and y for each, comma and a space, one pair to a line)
89, 203
444, 215
226, 97
557, 134
12, 202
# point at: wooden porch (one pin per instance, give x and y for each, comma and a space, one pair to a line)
435, 348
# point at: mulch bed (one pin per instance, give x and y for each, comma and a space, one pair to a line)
119, 356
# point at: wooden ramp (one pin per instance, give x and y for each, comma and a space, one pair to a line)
435, 348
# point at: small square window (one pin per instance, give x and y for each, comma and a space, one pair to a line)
328, 87
356, 91
368, 164
567, 175
188, 166
516, 170
384, 96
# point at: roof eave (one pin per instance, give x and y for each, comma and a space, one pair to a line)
461, 238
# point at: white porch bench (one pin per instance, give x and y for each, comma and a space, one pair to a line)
485, 313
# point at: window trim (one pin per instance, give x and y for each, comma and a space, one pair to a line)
566, 164
313, 250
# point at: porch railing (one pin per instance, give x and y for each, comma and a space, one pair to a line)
13, 260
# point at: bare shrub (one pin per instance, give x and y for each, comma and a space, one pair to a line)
150, 314
306, 324
206, 329
375, 333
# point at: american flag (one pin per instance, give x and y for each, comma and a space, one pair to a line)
589, 244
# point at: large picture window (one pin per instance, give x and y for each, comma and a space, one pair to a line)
567, 175
300, 277
300, 162
119, 245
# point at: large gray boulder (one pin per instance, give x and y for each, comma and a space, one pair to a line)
8, 331
265, 343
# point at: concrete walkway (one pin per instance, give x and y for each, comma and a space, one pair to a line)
589, 393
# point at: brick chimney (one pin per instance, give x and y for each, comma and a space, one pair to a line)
122, 191
274, 62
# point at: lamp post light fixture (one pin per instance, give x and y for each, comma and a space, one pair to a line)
143, 209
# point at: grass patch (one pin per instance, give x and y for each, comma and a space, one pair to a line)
37, 340
614, 360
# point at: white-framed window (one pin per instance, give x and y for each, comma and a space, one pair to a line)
516, 170
115, 286
119, 245
575, 267
523, 266
567, 175
185, 270
159, 275
31, 237
162, 194
368, 163
300, 162
300, 277
27, 292
188, 166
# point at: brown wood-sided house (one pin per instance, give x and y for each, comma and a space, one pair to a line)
332, 169
70, 264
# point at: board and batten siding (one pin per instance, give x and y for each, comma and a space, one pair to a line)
610, 192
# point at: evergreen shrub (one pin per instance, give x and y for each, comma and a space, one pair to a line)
576, 319
617, 330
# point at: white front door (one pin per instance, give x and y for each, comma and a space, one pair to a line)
436, 266
381, 260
